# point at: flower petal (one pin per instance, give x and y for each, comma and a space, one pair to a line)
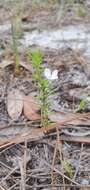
55, 74
47, 73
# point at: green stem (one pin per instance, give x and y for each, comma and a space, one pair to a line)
15, 49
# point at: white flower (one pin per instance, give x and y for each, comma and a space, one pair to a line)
51, 75
88, 98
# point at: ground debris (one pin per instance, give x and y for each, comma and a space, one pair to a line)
33, 157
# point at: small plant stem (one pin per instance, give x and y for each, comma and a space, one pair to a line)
41, 85
15, 49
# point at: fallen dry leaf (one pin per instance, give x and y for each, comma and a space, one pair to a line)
30, 108
26, 66
14, 103
56, 116
5, 63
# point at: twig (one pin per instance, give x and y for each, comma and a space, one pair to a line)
21, 165
57, 171
25, 159
53, 161
12, 187
59, 148
1, 188
83, 187
77, 169
34, 133
75, 139
9, 168
13, 170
